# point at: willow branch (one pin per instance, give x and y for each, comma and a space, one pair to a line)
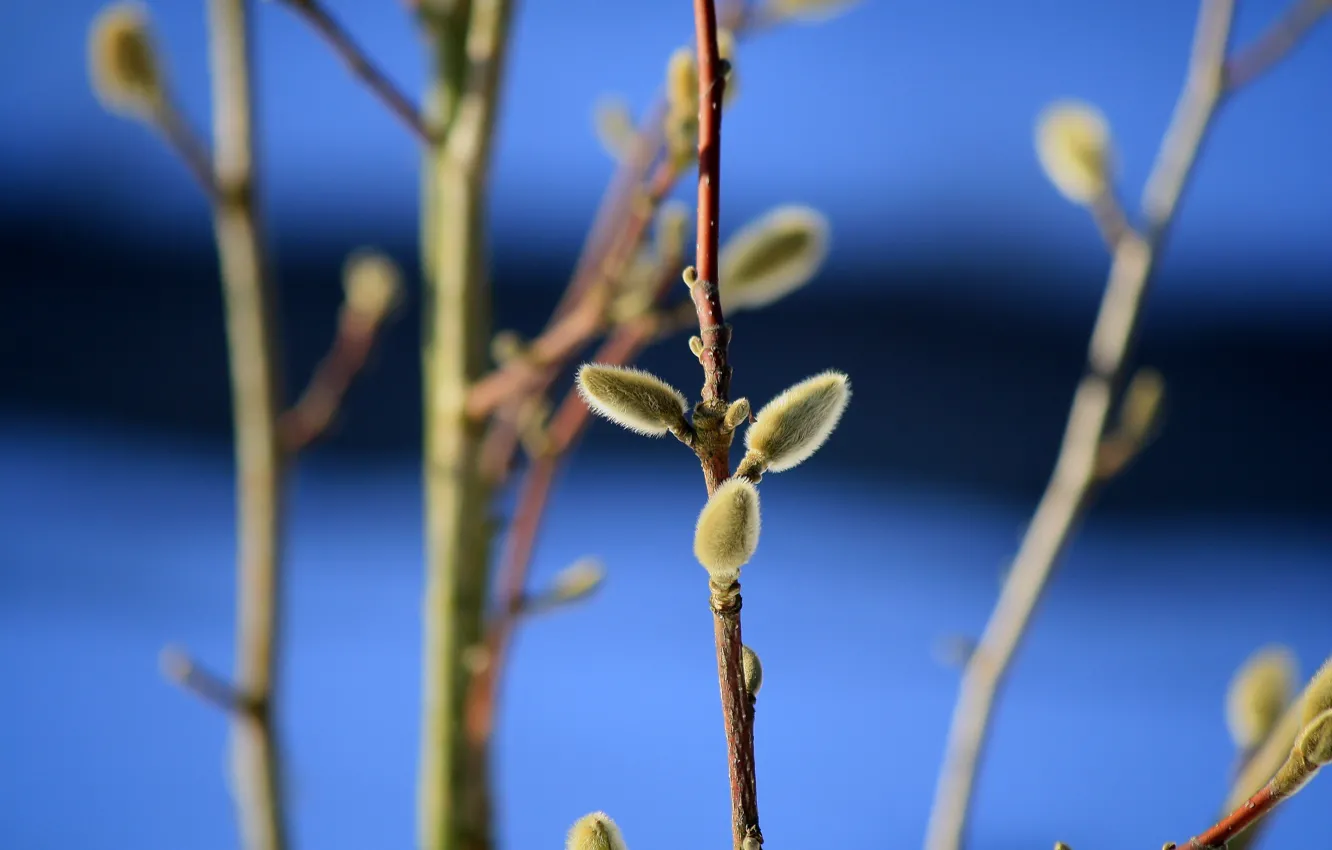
361, 65
452, 791
1251, 62
185, 141
309, 418
1074, 480
256, 400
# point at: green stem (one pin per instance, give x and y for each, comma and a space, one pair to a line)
256, 401
453, 809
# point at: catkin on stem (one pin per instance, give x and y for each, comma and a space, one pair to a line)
632, 398
791, 427
728, 530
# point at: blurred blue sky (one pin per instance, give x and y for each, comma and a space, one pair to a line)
908, 120
1111, 736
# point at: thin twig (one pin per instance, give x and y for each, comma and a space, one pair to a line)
361, 65
621, 347
1251, 62
1074, 481
189, 146
712, 443
309, 418
256, 400
1252, 810
203, 683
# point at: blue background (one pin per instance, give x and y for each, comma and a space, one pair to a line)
958, 297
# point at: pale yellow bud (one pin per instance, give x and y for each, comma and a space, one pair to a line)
577, 580
772, 257
1074, 147
736, 415
595, 832
1317, 696
753, 670
672, 224
1315, 741
793, 425
1258, 694
696, 346
122, 61
614, 123
632, 398
806, 10
682, 83
728, 530
1142, 403
372, 285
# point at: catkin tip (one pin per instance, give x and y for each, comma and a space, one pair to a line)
595, 831
728, 530
1074, 148
632, 398
791, 427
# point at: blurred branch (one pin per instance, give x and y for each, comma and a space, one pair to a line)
256, 393
360, 64
207, 686
1077, 473
185, 141
309, 418
1251, 62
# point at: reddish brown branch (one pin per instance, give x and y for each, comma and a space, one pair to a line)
308, 419
565, 427
1250, 812
360, 65
1271, 47
707, 300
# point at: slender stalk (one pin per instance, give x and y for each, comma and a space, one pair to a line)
185, 141
453, 811
1073, 484
361, 65
256, 402
1272, 46
711, 444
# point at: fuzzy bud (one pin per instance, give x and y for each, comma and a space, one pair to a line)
682, 83
614, 124
696, 345
1142, 403
793, 425
772, 257
1317, 696
1073, 145
811, 11
577, 580
595, 832
736, 415
753, 669
728, 530
1315, 741
123, 64
672, 227
372, 285
1258, 694
632, 398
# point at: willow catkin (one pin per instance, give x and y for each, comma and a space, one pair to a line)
1258, 694
577, 580
806, 10
637, 400
771, 257
728, 530
1074, 148
123, 63
793, 425
614, 125
595, 831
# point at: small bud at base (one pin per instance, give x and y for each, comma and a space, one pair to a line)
122, 61
753, 669
736, 415
1315, 741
